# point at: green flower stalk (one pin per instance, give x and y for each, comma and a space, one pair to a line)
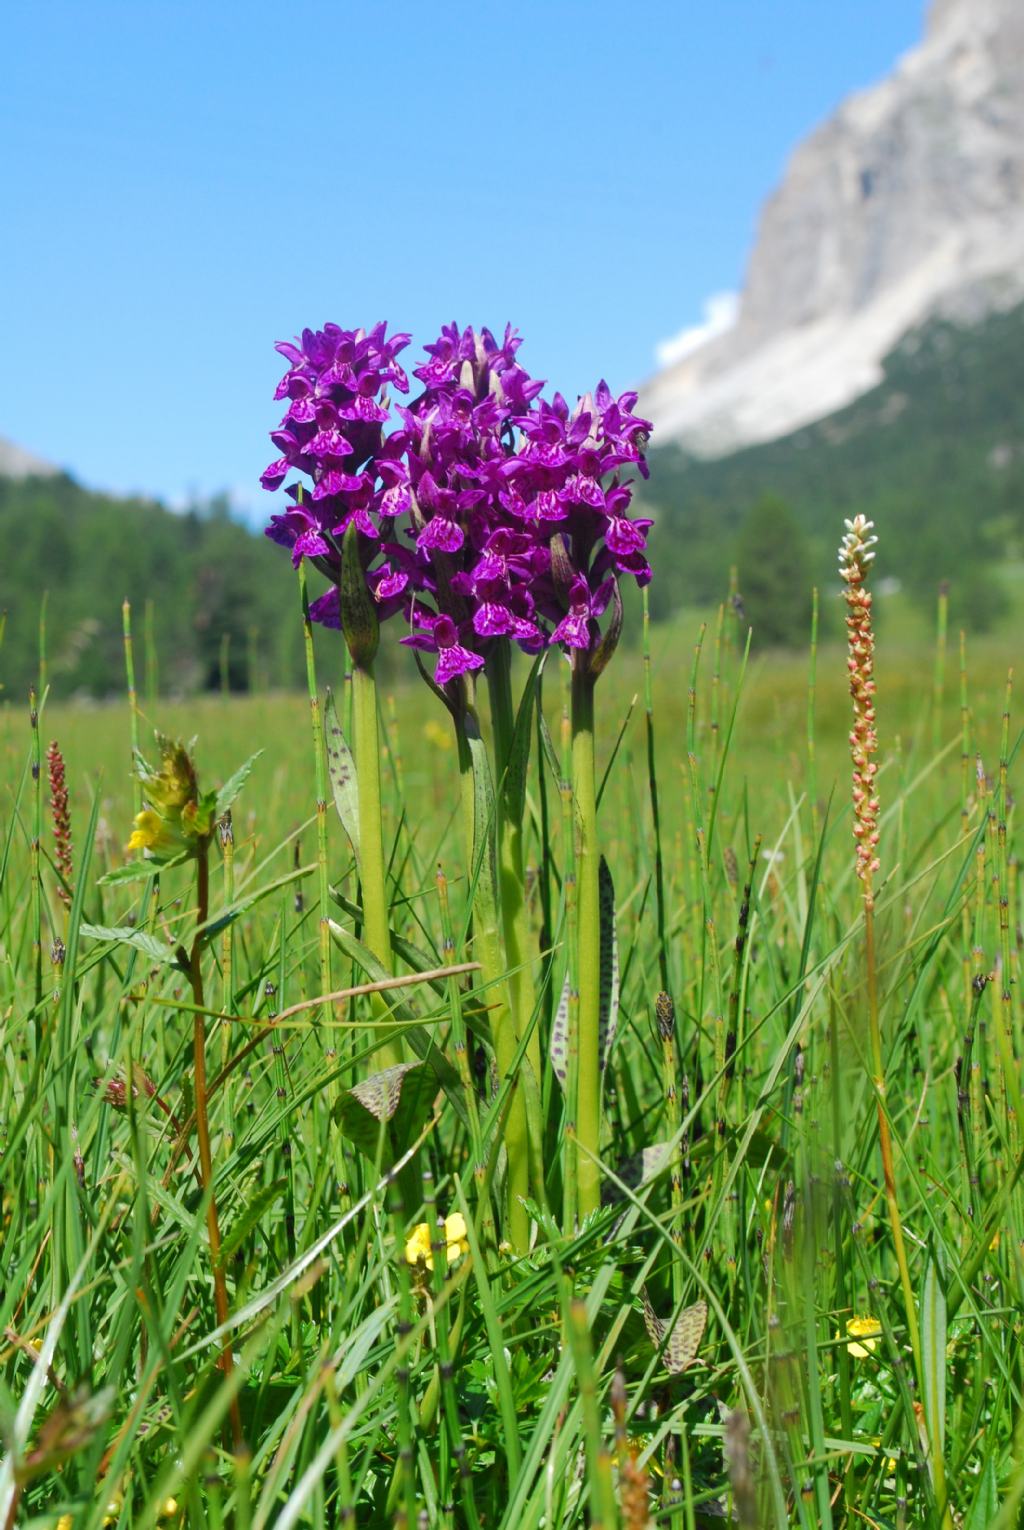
588, 937
477, 792
587, 666
362, 635
510, 765
320, 776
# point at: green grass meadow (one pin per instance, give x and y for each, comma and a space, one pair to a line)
577, 1383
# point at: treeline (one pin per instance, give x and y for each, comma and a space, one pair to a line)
934, 454
212, 603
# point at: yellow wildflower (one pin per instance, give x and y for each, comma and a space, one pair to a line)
149, 831
174, 784
418, 1250
168, 1508
177, 816
890, 1461
865, 1328
65, 1522
455, 1236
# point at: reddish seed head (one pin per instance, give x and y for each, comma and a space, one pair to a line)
856, 553
61, 814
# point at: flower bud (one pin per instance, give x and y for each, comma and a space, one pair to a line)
358, 616
563, 573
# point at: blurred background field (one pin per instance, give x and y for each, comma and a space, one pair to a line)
768, 762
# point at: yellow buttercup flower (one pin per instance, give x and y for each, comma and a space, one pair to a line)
864, 1329
890, 1461
455, 1236
418, 1250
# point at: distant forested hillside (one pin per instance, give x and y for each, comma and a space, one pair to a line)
934, 454
220, 600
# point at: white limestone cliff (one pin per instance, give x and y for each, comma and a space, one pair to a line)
908, 202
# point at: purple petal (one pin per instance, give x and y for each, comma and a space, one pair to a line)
422, 640
327, 609
490, 619
455, 660
441, 534
290, 352
624, 536
309, 544
363, 409
274, 476
574, 630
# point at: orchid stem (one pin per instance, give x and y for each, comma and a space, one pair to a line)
511, 886
376, 929
320, 777
588, 1101
476, 794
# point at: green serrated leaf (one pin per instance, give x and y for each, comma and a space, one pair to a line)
141, 940
341, 768
138, 871
233, 785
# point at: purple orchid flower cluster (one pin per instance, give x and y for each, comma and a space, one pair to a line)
485, 512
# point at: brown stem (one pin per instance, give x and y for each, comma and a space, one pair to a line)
220, 1290
13, 1510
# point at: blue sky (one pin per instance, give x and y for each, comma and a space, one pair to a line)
187, 182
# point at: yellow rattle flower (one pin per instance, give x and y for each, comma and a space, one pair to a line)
150, 832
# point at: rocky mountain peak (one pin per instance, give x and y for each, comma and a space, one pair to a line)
907, 201
17, 463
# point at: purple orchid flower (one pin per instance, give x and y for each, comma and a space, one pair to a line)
440, 636
585, 607
332, 433
466, 498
